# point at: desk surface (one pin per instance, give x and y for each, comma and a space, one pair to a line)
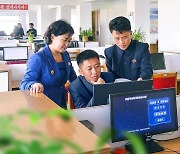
173, 144
11, 102
170, 146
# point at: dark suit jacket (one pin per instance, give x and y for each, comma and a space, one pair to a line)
42, 68
82, 91
32, 31
139, 62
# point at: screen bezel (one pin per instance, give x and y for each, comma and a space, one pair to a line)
4, 50
118, 87
112, 96
160, 57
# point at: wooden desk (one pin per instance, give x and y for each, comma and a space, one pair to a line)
173, 144
11, 102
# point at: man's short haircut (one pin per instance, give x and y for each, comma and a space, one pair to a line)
86, 55
31, 24
120, 24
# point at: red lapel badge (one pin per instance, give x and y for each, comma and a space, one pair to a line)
134, 61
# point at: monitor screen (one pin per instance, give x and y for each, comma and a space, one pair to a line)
158, 61
101, 91
15, 53
144, 113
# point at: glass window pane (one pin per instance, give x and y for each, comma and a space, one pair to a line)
7, 23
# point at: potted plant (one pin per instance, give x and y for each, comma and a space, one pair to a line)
85, 35
30, 37
90, 34
139, 35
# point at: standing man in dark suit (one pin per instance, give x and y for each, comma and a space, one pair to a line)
81, 89
32, 30
128, 58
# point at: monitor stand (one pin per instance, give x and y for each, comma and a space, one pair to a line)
150, 145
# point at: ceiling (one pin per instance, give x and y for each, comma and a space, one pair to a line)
59, 2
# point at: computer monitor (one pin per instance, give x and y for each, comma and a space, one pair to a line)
145, 113
101, 91
15, 53
158, 61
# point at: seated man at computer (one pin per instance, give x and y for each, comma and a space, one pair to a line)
81, 89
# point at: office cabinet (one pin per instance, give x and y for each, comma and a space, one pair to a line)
3, 81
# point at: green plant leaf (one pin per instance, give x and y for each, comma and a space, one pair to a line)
137, 143
104, 137
53, 148
35, 117
65, 114
139, 35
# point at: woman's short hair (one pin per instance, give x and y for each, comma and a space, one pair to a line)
86, 55
57, 28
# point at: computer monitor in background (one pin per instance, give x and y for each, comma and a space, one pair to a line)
101, 91
158, 61
15, 53
145, 113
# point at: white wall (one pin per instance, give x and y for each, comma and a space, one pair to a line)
108, 11
47, 16
84, 14
33, 15
66, 13
169, 25
141, 16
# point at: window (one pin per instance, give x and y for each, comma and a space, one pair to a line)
7, 23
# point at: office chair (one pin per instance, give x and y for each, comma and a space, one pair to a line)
103, 63
165, 80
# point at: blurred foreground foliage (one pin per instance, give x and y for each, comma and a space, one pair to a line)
48, 145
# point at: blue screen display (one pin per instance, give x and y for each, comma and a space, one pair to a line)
146, 112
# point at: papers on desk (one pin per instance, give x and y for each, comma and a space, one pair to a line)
121, 80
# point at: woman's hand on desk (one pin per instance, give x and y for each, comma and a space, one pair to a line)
99, 81
37, 88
